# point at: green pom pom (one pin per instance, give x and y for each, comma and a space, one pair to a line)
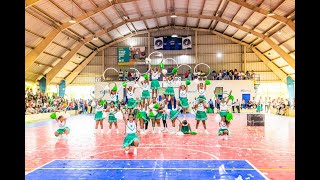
208, 82
53, 115
229, 117
174, 70
209, 110
146, 76
231, 97
188, 82
193, 133
151, 114
124, 84
102, 102
114, 88
157, 106
162, 66
139, 116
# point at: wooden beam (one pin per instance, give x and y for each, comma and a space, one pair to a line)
29, 3
285, 20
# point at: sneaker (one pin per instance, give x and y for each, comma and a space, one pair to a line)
135, 151
117, 131
142, 132
225, 137
126, 151
109, 131
60, 136
101, 131
196, 131
206, 131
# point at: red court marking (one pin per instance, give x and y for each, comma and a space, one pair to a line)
269, 148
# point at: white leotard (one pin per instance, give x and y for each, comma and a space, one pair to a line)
223, 106
112, 111
62, 124
202, 92
114, 97
154, 76
170, 83
130, 94
145, 87
200, 107
183, 94
131, 127
99, 108
223, 125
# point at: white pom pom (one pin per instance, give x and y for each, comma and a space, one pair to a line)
217, 118
164, 71
148, 60
107, 88
141, 79
104, 114
136, 86
119, 115
179, 133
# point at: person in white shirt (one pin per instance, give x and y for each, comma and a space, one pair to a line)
237, 104
98, 117
155, 85
223, 128
183, 100
93, 106
62, 127
201, 114
131, 138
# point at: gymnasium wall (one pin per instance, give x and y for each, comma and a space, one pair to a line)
238, 88
208, 46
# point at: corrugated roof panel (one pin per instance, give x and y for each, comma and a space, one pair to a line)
239, 34
280, 62
46, 59
284, 48
210, 7
63, 73
26, 50
272, 54
86, 5
36, 26
124, 29
114, 34
181, 7
195, 6
151, 23
70, 66
64, 40
221, 26
285, 8
265, 24
158, 6
254, 20
36, 68
204, 23
130, 8
98, 42
101, 20
249, 39
231, 30
263, 46
54, 11
163, 21
106, 38
192, 22
242, 15
77, 59
32, 40
112, 15
293, 55
266, 4
180, 21
70, 8
254, 2
139, 25
85, 51
286, 33
288, 70
145, 7
100, 2
230, 11
56, 80
290, 45
55, 50
92, 26
80, 30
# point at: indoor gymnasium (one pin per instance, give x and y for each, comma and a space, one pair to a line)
160, 89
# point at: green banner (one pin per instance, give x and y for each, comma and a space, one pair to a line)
123, 55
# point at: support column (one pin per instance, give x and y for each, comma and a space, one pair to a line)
245, 58
103, 61
196, 42
149, 46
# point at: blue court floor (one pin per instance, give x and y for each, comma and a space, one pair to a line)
146, 169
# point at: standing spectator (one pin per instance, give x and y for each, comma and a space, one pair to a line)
93, 106
214, 75
237, 104
186, 74
129, 76
248, 75
133, 75
211, 104
233, 103
85, 104
189, 75
120, 75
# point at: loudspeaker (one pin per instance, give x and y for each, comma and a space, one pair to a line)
255, 119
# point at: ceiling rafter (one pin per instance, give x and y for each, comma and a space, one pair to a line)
215, 13
265, 12
188, 3
154, 13
110, 22
42, 13
219, 13
41, 18
202, 7
123, 15
231, 20
139, 11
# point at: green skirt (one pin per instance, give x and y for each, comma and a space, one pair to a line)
132, 103
128, 141
159, 115
185, 129
201, 115
173, 114
221, 131
135, 113
145, 94
184, 103
112, 118
164, 116
98, 116
202, 97
61, 131
223, 113
155, 84
169, 91
143, 115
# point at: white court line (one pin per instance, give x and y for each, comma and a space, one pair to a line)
257, 170
151, 159
40, 166
157, 147
201, 169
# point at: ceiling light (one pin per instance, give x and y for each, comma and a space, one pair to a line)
270, 13
279, 32
40, 64
72, 20
174, 35
173, 16
219, 55
249, 34
95, 38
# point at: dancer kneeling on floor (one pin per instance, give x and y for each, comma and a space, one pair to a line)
62, 128
131, 138
185, 127
223, 128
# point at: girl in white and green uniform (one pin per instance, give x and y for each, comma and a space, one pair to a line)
145, 91
174, 112
223, 128
132, 102
143, 118
183, 101
153, 115
169, 92
185, 127
202, 91
112, 119
155, 85
98, 117
223, 105
62, 127
114, 95
131, 138
163, 110
201, 114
